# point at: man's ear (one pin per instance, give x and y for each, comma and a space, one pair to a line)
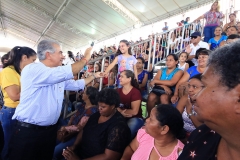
47, 55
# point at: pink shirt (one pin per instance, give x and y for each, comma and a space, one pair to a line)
146, 144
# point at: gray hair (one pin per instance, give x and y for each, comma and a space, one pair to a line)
225, 62
45, 46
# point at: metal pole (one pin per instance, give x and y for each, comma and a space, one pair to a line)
168, 41
149, 54
154, 49
101, 79
59, 11
183, 33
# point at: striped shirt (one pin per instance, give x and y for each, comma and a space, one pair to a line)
42, 93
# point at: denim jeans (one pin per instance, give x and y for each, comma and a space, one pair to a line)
8, 124
144, 94
135, 124
62, 145
208, 33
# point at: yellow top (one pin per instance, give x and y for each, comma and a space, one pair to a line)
9, 77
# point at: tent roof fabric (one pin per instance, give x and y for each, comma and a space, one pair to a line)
81, 21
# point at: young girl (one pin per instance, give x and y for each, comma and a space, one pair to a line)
124, 59
182, 61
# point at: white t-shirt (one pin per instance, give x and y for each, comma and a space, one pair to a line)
68, 61
201, 44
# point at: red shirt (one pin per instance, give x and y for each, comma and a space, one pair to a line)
105, 81
132, 96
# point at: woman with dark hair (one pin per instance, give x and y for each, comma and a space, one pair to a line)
213, 18
142, 76
159, 138
232, 18
232, 38
130, 99
186, 104
217, 39
19, 57
124, 59
202, 56
106, 133
68, 134
230, 31
95, 82
218, 106
164, 83
70, 59
4, 59
186, 22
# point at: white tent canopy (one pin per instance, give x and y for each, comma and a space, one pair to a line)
75, 23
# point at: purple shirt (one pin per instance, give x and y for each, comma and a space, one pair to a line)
213, 18
126, 63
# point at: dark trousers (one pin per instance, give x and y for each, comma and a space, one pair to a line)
32, 144
1, 139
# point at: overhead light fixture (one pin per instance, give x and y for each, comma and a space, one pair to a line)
114, 4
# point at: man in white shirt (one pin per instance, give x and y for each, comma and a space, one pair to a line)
196, 43
165, 28
42, 93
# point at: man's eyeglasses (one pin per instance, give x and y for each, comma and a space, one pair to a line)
193, 37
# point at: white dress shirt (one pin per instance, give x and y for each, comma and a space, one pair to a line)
42, 93
201, 44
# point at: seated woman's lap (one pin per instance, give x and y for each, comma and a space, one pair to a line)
152, 97
165, 99
135, 124
57, 155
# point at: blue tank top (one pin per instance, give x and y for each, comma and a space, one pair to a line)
169, 76
192, 71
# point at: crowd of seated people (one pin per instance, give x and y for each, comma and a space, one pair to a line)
67, 134
103, 126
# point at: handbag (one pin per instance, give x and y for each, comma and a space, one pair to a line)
63, 135
158, 90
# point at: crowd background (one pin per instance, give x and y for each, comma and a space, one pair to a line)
130, 88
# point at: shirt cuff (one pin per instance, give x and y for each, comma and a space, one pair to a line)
81, 84
68, 71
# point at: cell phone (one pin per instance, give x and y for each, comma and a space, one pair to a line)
121, 106
92, 44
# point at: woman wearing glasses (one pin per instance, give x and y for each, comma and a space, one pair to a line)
218, 105
186, 105
202, 56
